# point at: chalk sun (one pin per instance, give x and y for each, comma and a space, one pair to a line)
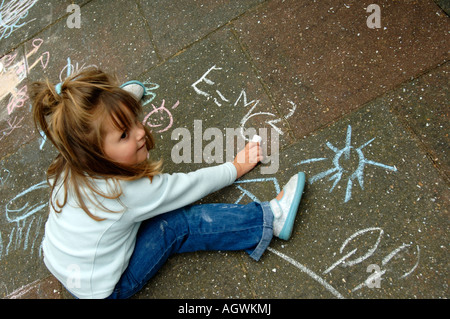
338, 171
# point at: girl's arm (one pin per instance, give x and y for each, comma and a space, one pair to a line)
167, 192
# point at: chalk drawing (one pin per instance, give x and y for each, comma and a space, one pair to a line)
22, 212
72, 68
345, 262
338, 170
309, 272
159, 119
17, 100
14, 69
158, 116
22, 66
11, 127
4, 175
43, 58
342, 261
396, 251
249, 194
242, 98
11, 14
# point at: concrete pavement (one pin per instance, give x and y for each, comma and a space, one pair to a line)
362, 111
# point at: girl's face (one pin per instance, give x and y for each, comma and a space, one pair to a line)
127, 147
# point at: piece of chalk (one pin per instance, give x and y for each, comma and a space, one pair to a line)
257, 139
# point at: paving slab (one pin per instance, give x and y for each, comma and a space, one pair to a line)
113, 36
423, 105
324, 54
177, 24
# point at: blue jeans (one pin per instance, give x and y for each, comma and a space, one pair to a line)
195, 228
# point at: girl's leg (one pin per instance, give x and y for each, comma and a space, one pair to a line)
194, 228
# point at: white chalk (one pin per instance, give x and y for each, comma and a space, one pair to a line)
257, 139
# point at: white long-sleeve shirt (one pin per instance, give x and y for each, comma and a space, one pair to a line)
89, 256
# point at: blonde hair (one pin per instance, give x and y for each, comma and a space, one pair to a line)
74, 122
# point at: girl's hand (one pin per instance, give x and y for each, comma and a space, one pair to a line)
247, 159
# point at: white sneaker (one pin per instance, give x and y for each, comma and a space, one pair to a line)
135, 88
285, 209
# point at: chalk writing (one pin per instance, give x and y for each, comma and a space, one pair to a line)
242, 98
272, 123
11, 14
338, 170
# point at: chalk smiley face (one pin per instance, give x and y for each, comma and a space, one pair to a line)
160, 119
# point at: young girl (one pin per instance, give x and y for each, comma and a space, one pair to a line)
114, 217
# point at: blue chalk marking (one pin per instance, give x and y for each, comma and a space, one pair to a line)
323, 174
149, 86
16, 215
256, 180
311, 160
69, 67
246, 192
391, 168
338, 170
44, 139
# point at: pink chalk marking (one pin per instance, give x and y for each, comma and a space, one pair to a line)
161, 109
18, 99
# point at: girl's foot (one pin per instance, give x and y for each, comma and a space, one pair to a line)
285, 206
135, 88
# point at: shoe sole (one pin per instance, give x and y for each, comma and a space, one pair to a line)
286, 232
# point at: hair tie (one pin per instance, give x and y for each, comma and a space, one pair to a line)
58, 88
